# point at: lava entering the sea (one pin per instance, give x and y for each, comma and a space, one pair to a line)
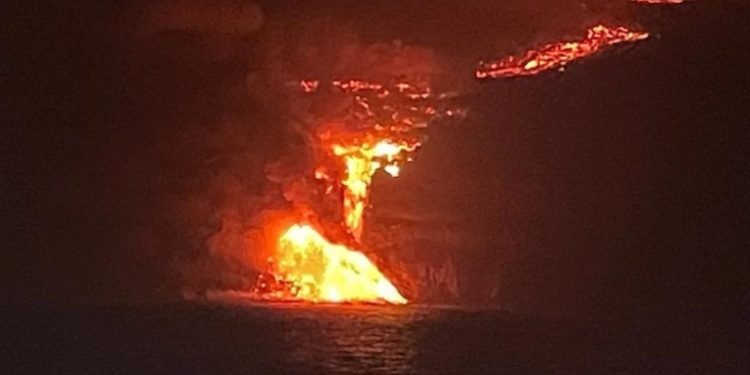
557, 55
376, 126
381, 131
309, 267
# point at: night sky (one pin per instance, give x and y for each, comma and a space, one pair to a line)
619, 188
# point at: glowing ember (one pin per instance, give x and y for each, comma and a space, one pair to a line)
311, 268
557, 55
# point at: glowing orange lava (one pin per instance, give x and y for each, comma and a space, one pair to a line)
381, 132
378, 126
557, 55
361, 162
313, 269
309, 267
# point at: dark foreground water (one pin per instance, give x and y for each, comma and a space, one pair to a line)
241, 338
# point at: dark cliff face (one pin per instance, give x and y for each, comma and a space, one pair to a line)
420, 256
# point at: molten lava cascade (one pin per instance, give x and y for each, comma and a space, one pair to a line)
381, 131
320, 270
361, 162
557, 55
388, 120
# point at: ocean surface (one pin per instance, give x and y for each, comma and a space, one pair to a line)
248, 338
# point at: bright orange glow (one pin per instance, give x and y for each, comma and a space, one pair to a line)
385, 137
320, 271
380, 132
557, 55
361, 162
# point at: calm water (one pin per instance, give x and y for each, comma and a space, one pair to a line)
240, 338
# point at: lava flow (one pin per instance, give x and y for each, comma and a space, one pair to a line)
361, 162
557, 55
384, 136
311, 268
381, 132
377, 126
